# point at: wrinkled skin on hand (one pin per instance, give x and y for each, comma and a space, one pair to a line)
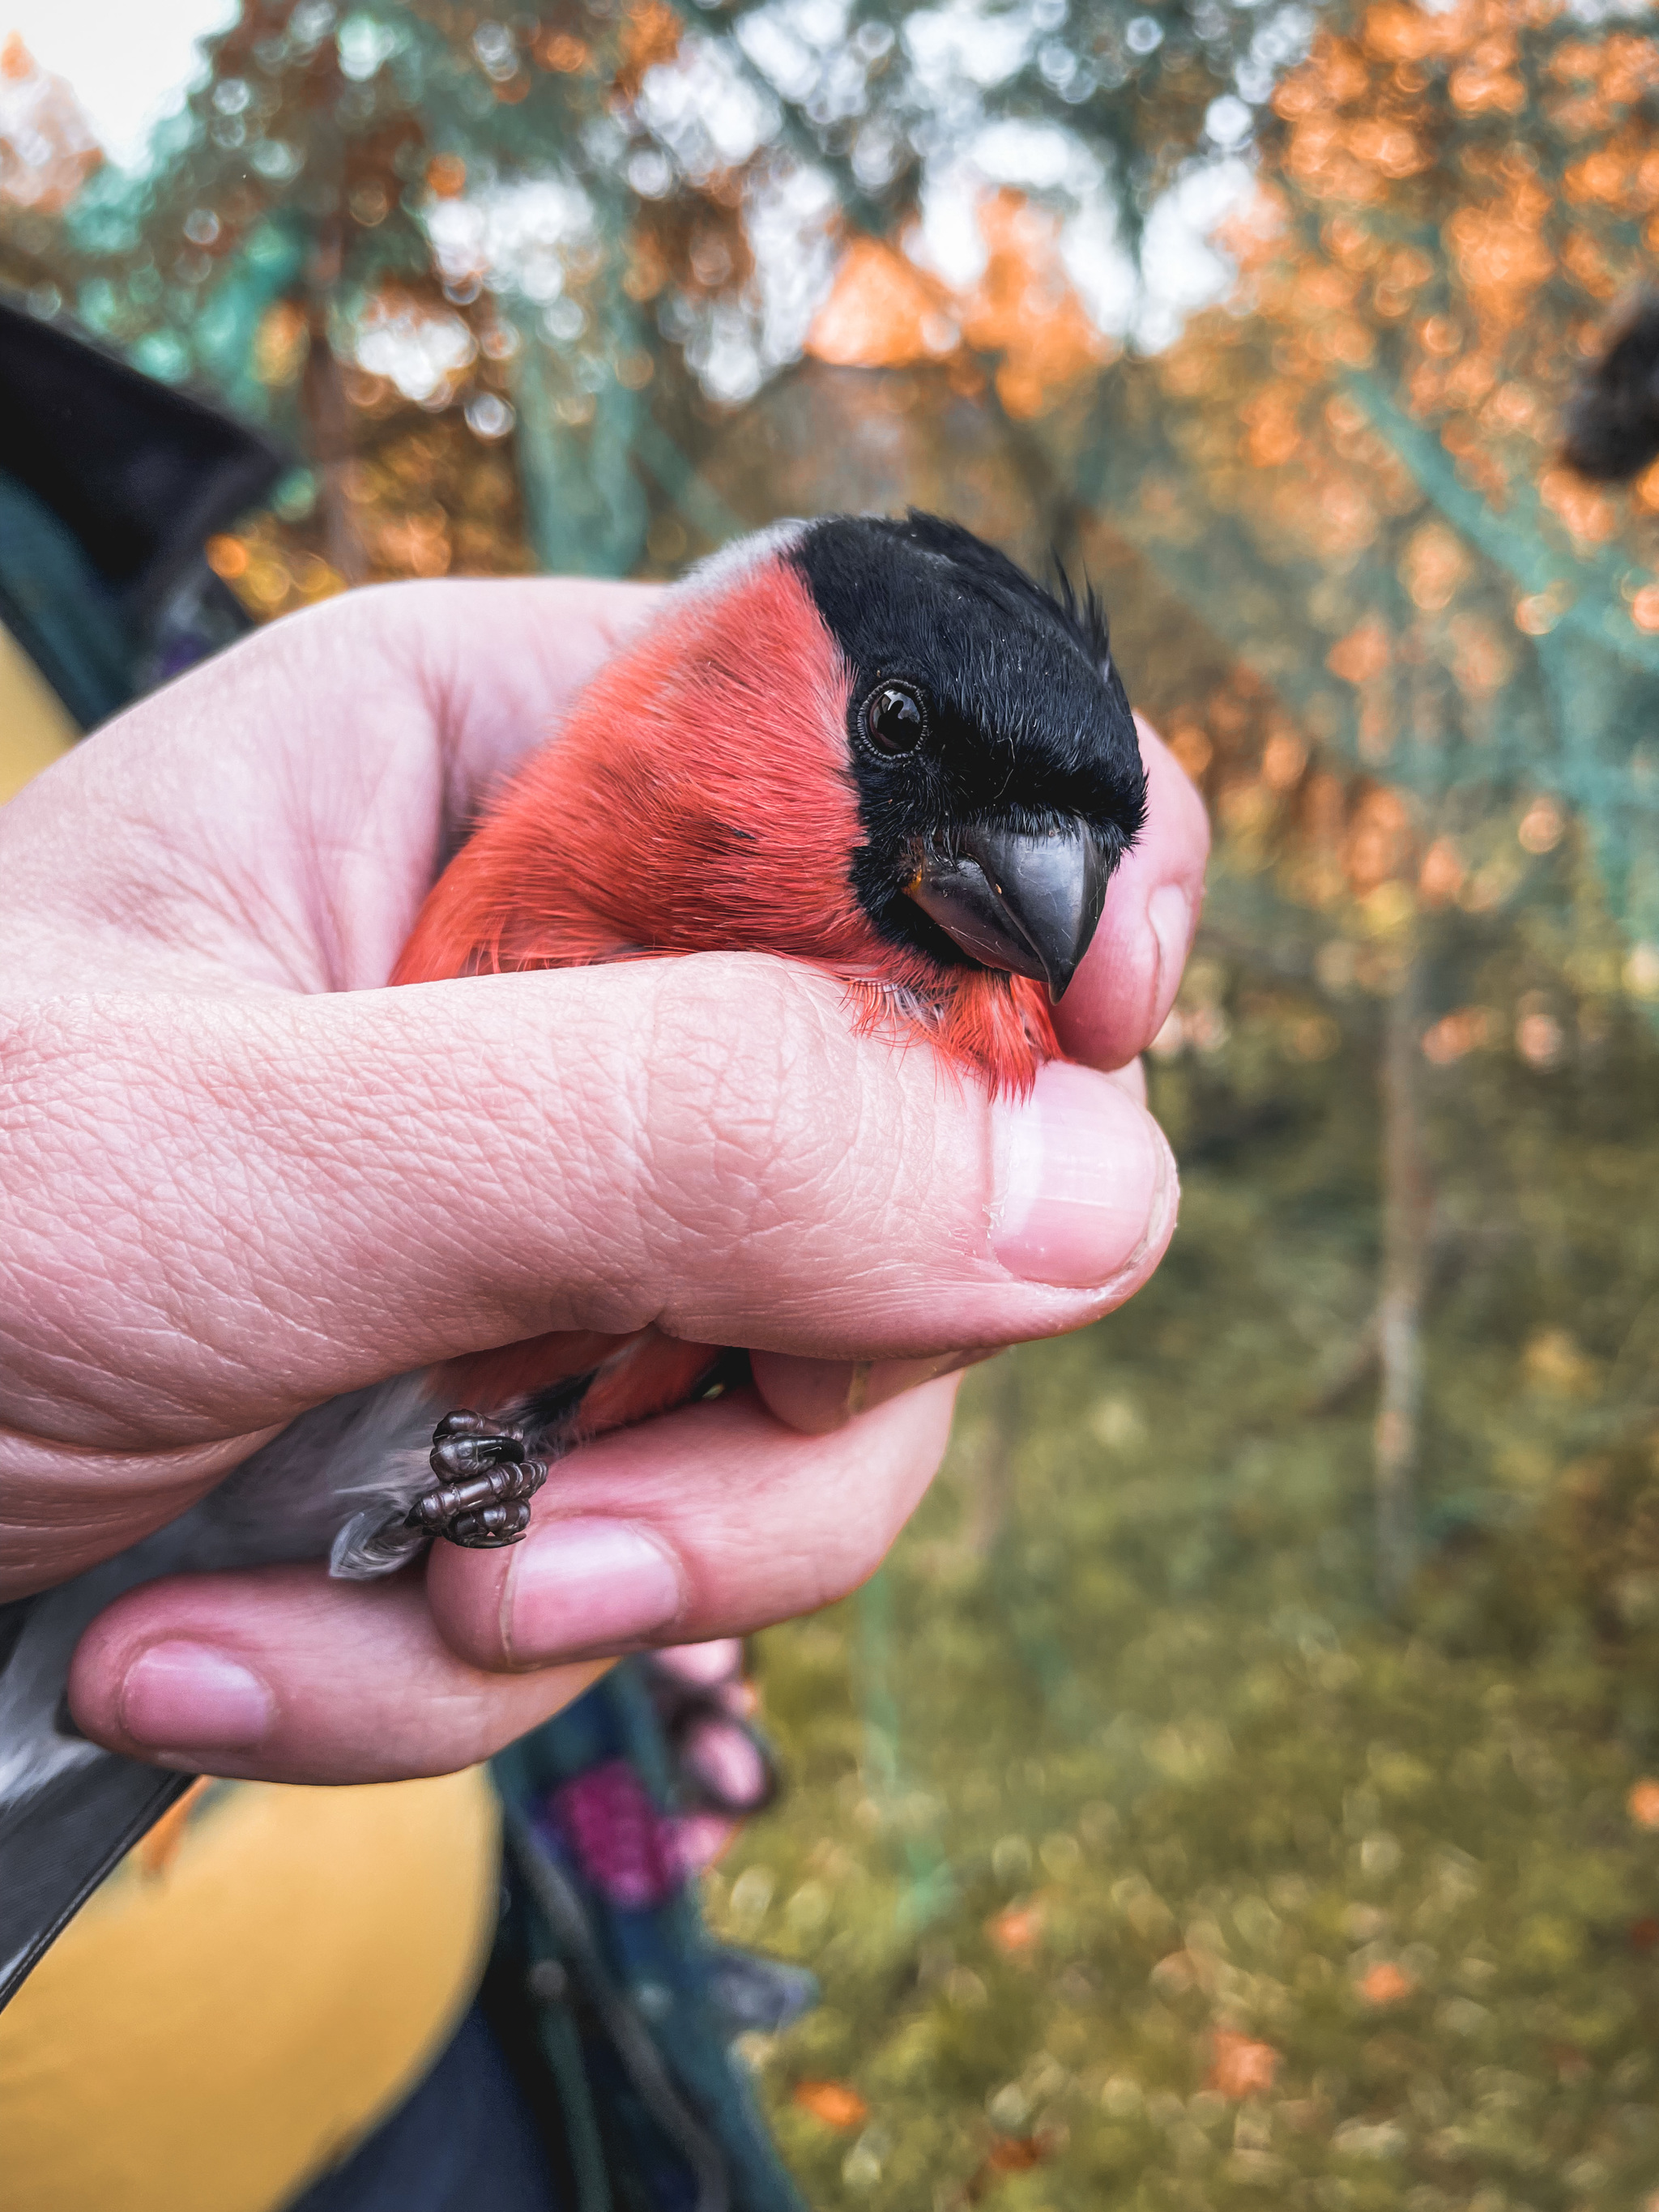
242, 1176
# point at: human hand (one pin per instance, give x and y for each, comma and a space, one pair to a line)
242, 1179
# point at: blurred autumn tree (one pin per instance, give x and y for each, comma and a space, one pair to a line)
46, 150
1447, 642
1354, 473
430, 242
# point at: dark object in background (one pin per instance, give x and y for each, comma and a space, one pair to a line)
109, 485
1613, 418
463, 2139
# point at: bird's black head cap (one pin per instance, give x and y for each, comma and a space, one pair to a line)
988, 729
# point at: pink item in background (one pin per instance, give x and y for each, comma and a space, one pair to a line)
622, 1844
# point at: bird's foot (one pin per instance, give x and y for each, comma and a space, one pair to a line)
485, 1484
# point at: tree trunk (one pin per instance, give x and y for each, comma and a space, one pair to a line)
328, 420
993, 1486
1059, 513
1406, 1239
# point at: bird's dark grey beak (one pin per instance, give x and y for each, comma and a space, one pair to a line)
1026, 903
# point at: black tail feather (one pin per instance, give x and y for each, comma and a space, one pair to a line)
58, 1843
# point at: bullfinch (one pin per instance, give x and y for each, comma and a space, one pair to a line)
875, 745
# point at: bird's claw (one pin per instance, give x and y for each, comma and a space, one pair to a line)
485, 1484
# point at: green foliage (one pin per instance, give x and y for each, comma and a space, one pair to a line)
1124, 1757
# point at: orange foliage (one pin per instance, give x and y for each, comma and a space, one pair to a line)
414, 544
1363, 118
1382, 841
1017, 1929
885, 313
1271, 419
228, 557
1424, 217
651, 33
282, 342
1588, 514
882, 312
1487, 79
47, 150
1240, 2067
1014, 2154
1005, 2154
1395, 33
1361, 655
1026, 308
1455, 1034
1441, 877
1433, 567
837, 2104
1386, 1983
1481, 663
1500, 253
561, 51
1283, 759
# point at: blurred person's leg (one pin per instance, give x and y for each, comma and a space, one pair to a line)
464, 2141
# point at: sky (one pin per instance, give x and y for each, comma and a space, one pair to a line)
127, 59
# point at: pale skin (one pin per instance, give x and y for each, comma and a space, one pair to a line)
241, 1177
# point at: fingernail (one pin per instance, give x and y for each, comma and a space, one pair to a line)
890, 1378
725, 1760
818, 1395
875, 1381
704, 1666
1086, 1180
188, 1697
585, 1585
1169, 912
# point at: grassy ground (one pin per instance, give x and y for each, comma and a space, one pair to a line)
1143, 1863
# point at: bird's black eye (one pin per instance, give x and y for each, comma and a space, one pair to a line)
894, 720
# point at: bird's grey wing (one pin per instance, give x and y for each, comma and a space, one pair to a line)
76, 1832
68, 1808
61, 1835
334, 1485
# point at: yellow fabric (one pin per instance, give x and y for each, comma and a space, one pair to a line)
236, 2005
209, 2037
34, 723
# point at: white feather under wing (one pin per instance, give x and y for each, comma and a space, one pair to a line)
336, 1484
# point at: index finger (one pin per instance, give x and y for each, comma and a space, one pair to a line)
501, 659
1127, 985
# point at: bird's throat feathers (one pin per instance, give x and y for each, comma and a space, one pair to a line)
699, 799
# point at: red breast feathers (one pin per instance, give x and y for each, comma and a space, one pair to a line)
699, 799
